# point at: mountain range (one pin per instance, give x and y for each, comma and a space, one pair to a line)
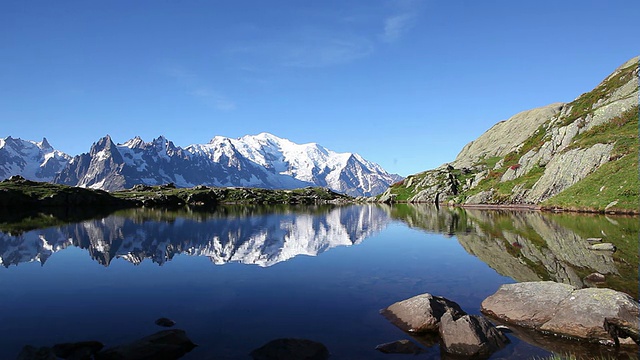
263, 160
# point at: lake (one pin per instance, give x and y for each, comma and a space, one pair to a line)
240, 276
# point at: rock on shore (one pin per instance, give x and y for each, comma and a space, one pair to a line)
563, 310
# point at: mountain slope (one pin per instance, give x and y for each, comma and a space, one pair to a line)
580, 155
262, 160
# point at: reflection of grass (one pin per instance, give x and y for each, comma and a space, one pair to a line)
18, 221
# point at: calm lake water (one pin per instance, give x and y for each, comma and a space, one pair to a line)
238, 277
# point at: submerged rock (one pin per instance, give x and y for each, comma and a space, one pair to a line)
163, 345
399, 347
291, 349
564, 310
77, 350
420, 313
33, 353
165, 322
470, 335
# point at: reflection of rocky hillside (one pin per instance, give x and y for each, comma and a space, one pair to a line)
532, 246
262, 239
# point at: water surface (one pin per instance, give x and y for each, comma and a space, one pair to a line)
239, 277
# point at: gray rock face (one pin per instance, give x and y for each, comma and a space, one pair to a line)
470, 335
505, 136
563, 310
291, 349
420, 313
567, 169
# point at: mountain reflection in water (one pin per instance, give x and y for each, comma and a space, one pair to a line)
523, 245
233, 234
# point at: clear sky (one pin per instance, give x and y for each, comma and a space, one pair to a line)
404, 83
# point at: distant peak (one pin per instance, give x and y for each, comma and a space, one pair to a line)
44, 144
134, 143
217, 139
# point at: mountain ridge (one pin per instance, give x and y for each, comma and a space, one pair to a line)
262, 160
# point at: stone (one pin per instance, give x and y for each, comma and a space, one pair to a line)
527, 304
470, 335
594, 240
595, 278
420, 313
603, 247
163, 345
565, 311
399, 347
582, 314
291, 349
165, 322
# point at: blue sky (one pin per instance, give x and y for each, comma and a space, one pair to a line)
404, 83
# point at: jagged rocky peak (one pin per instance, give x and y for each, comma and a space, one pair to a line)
44, 144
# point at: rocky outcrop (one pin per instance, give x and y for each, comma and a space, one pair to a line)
435, 320
567, 169
420, 313
470, 335
564, 310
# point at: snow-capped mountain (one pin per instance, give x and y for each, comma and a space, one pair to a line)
262, 160
29, 159
263, 240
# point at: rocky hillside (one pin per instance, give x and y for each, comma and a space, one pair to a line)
582, 155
